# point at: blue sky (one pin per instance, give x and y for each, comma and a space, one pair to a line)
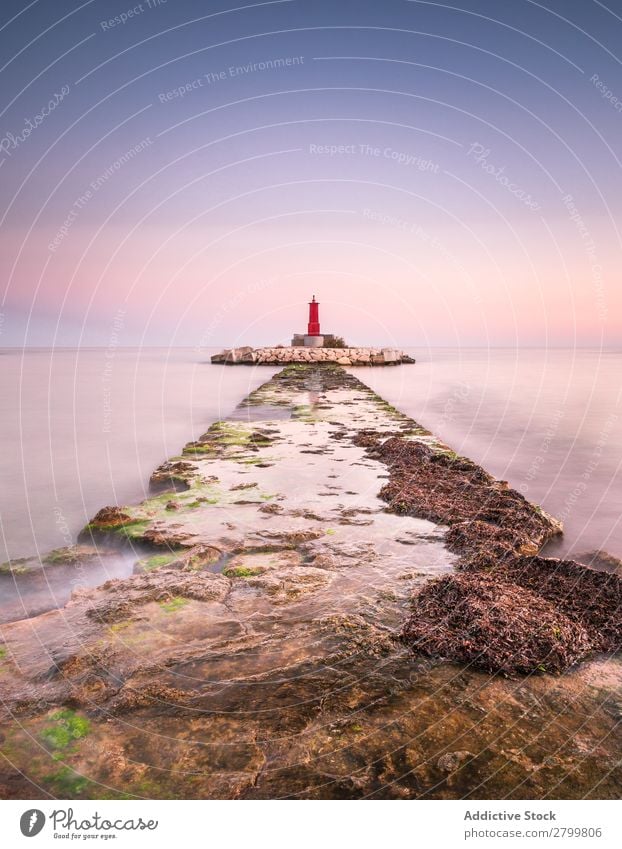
436, 174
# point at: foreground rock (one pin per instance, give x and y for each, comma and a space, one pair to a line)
255, 652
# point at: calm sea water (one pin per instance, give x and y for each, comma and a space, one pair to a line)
80, 429
547, 421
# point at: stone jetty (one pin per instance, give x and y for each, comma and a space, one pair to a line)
323, 602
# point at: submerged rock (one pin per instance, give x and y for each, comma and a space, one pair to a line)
115, 600
601, 560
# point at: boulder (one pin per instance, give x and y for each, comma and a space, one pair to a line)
235, 355
110, 517
391, 355
344, 361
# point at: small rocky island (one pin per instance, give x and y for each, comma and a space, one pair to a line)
313, 347
282, 355
322, 601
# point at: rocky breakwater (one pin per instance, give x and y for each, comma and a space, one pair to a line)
281, 355
285, 566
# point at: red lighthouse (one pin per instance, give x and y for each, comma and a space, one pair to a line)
313, 337
313, 328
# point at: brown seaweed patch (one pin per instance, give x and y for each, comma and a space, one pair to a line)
445, 488
592, 598
509, 611
497, 626
271, 508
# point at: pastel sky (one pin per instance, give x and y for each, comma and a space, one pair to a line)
190, 173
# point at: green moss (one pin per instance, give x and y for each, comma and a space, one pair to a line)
132, 530
114, 795
174, 604
331, 531
197, 448
266, 496
66, 727
242, 571
234, 440
19, 566
157, 561
227, 433
147, 788
303, 412
61, 555
3, 652
157, 501
389, 408
67, 783
200, 495
54, 556
293, 369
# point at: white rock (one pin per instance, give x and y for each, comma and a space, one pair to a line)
390, 355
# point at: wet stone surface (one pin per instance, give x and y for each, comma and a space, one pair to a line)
252, 649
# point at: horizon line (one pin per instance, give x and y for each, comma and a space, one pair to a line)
396, 344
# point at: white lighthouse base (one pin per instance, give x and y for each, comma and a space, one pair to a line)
314, 341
